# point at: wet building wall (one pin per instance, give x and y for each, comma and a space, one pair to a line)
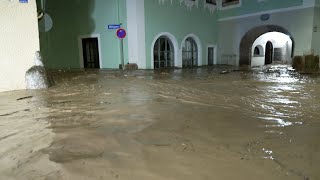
296, 20
179, 20
75, 19
19, 42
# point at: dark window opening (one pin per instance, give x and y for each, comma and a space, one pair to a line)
226, 3
214, 2
256, 51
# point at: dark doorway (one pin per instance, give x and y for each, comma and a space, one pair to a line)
269, 53
210, 56
90, 53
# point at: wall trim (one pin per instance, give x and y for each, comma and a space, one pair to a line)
81, 49
199, 46
267, 12
176, 48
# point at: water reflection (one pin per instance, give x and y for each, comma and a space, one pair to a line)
280, 98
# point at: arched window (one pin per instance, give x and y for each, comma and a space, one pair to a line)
163, 53
189, 53
258, 51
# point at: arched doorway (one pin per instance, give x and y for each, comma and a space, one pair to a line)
163, 53
249, 38
189, 53
269, 53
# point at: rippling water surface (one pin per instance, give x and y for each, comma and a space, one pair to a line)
206, 123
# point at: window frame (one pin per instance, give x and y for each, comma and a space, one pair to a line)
190, 54
168, 53
231, 6
206, 1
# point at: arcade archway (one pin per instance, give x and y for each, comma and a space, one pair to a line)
247, 41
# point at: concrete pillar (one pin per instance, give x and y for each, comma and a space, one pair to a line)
19, 40
136, 33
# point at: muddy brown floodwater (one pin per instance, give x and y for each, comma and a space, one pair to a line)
191, 124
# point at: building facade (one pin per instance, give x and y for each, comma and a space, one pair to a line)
159, 33
179, 33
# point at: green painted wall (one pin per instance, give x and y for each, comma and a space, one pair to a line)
179, 21
73, 18
253, 6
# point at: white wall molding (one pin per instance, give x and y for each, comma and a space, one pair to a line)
211, 7
136, 33
304, 6
81, 48
174, 42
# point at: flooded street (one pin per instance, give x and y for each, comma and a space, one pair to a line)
190, 124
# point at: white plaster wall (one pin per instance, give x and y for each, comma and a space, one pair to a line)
298, 22
19, 40
257, 61
136, 33
279, 40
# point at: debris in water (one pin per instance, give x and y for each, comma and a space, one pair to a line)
8, 114
23, 98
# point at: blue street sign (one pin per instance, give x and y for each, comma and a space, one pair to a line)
23, 1
114, 26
